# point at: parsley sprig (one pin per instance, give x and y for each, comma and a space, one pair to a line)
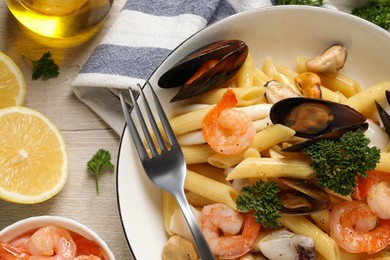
102, 158
263, 199
45, 67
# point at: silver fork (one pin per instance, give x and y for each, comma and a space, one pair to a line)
165, 167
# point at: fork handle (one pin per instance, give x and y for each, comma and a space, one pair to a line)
204, 250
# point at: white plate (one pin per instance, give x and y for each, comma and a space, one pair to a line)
282, 33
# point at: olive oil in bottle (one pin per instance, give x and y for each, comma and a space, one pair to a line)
59, 18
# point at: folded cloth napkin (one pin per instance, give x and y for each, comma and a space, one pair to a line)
143, 34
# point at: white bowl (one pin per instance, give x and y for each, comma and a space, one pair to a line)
283, 33
33, 223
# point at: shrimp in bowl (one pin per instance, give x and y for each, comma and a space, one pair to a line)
51, 237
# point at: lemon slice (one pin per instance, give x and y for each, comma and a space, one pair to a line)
33, 156
12, 84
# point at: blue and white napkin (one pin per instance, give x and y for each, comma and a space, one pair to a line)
142, 36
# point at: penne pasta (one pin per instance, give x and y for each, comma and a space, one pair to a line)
334, 96
364, 99
321, 219
197, 200
209, 171
211, 189
269, 68
197, 153
246, 96
224, 161
260, 78
188, 122
271, 136
341, 83
289, 73
271, 168
169, 205
244, 77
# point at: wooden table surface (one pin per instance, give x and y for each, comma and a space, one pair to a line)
83, 130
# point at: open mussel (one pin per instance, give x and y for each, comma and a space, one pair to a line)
313, 117
385, 117
303, 197
205, 68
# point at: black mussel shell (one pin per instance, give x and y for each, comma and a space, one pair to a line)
385, 117
304, 198
230, 54
343, 116
334, 135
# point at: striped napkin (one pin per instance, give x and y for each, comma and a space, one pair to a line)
144, 33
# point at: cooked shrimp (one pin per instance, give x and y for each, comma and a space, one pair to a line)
375, 189
355, 228
219, 218
52, 241
378, 199
228, 130
9, 252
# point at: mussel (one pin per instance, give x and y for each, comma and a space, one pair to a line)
329, 62
316, 119
385, 117
277, 90
205, 68
311, 117
303, 198
334, 135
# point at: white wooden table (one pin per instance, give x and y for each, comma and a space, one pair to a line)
83, 130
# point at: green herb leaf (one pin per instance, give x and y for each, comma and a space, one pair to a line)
45, 67
102, 158
377, 12
263, 199
337, 163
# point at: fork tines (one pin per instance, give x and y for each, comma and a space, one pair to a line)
157, 133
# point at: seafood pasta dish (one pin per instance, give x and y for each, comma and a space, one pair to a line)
282, 162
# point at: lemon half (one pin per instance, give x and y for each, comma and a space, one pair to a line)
12, 83
33, 156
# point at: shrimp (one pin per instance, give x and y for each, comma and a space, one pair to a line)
378, 199
355, 228
219, 218
375, 189
52, 241
9, 252
228, 130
